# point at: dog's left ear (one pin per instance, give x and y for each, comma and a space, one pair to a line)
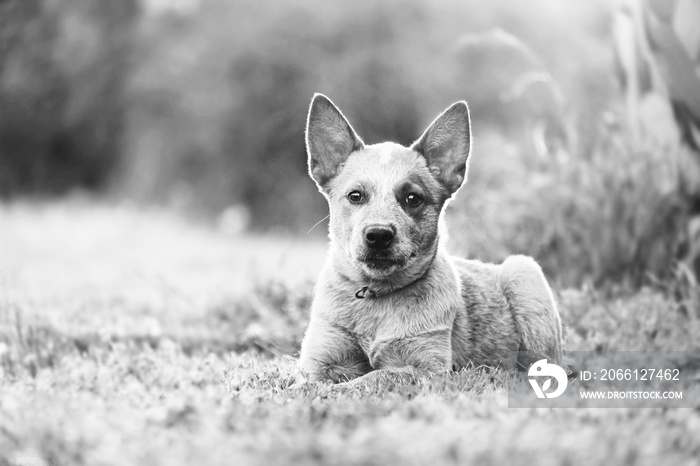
329, 140
446, 145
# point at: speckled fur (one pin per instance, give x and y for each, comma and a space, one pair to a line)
426, 310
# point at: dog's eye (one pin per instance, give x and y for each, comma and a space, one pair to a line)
413, 199
355, 197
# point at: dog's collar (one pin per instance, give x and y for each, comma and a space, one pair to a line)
367, 292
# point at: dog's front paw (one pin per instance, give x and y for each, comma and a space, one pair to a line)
385, 378
383, 354
332, 372
421, 354
306, 379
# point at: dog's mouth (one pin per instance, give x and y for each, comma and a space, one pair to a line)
382, 263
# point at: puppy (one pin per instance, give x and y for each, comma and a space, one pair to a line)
389, 295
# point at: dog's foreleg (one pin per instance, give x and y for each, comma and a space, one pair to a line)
429, 351
329, 352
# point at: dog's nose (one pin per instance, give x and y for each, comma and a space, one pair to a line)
379, 237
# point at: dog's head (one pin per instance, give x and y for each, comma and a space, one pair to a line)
385, 199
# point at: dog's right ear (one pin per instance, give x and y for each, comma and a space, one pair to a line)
329, 140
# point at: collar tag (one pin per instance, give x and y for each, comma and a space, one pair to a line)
362, 293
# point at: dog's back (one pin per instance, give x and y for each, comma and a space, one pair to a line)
509, 318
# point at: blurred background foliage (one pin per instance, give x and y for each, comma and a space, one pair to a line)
585, 114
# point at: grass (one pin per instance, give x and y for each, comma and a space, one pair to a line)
134, 337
